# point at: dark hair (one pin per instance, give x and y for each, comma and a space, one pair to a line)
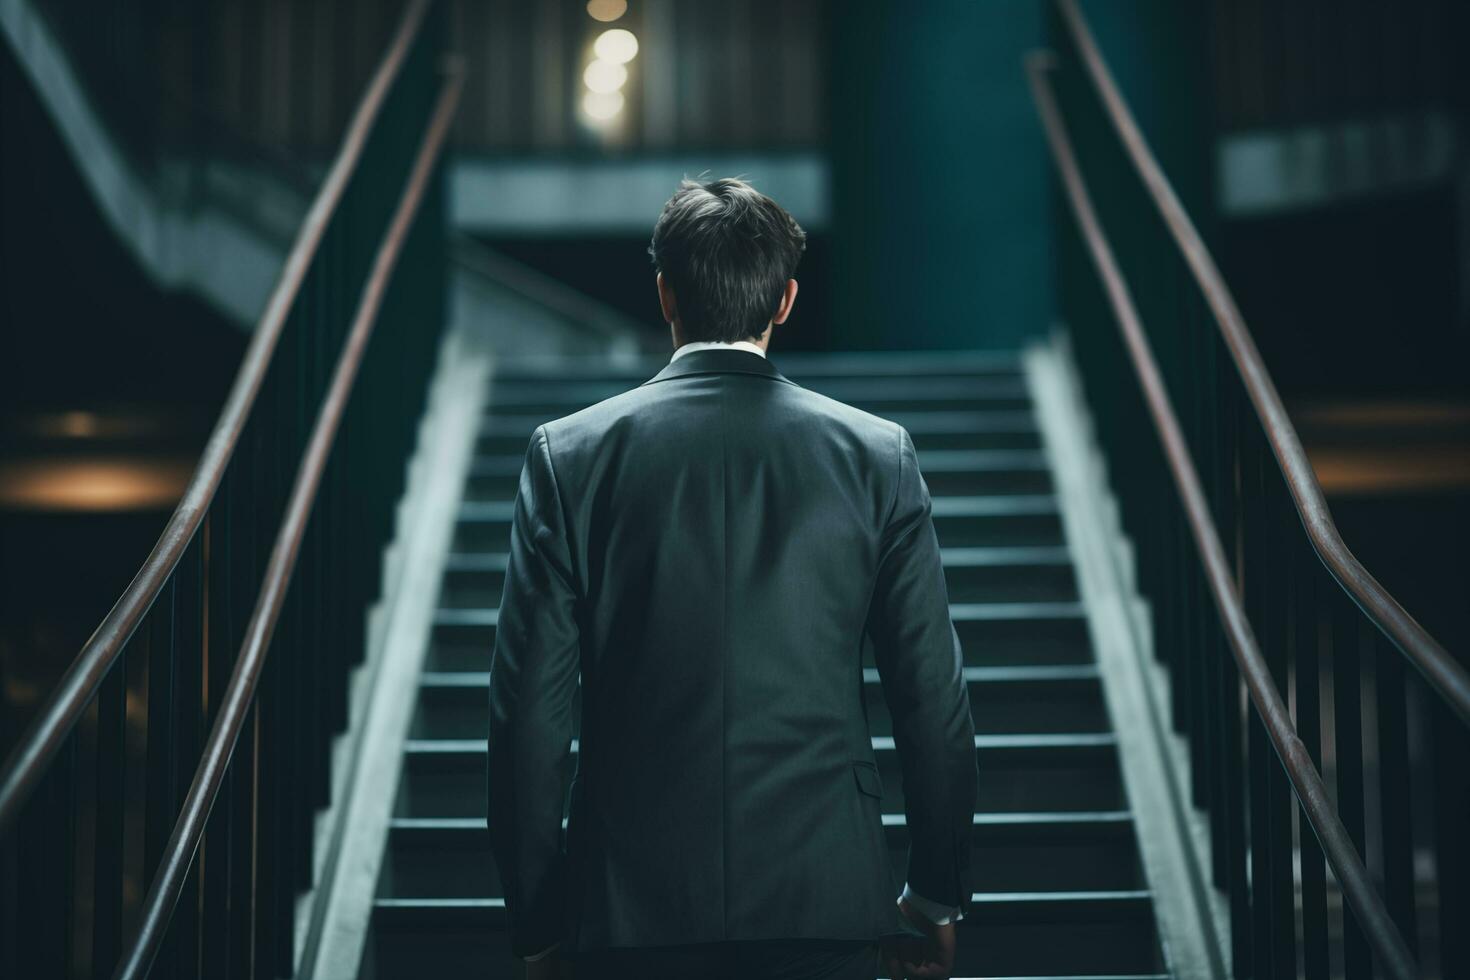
726, 250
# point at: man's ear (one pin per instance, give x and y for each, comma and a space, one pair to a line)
666, 300
788, 300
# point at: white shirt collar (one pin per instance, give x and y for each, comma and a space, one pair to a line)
695, 345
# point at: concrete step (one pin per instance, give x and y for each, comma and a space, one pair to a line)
477, 579
1009, 520
803, 368
1092, 934
878, 395
991, 635
973, 472
450, 857
990, 429
1003, 700
1018, 774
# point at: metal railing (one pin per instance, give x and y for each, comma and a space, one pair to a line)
276, 543
1270, 594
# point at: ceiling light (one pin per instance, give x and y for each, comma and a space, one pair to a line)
605, 76
602, 106
606, 11
617, 45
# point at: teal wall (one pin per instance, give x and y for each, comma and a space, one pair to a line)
1159, 53
940, 186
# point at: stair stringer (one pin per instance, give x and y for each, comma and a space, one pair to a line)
1192, 917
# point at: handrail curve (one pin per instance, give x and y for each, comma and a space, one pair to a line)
1358, 891
1446, 675
79, 684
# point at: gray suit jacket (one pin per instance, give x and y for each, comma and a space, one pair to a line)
707, 552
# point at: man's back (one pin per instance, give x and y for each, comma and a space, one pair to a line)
706, 554
714, 546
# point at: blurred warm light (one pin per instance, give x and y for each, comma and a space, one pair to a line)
602, 106
77, 424
617, 45
606, 11
93, 484
1378, 471
1371, 413
605, 76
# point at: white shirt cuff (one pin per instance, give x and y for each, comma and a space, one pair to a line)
544, 952
940, 915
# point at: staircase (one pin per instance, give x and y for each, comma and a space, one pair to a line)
1059, 885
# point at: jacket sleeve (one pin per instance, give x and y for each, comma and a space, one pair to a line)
922, 670
533, 677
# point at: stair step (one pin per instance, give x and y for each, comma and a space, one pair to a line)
477, 579
1018, 773
450, 858
991, 635
998, 429
798, 366
946, 472
1004, 700
1022, 934
1010, 520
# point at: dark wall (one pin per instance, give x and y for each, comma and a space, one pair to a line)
1355, 298
80, 322
1158, 53
940, 195
617, 270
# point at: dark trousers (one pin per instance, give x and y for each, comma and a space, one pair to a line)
772, 959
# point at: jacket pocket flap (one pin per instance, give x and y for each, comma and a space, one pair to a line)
868, 780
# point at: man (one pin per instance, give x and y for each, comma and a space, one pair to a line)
707, 552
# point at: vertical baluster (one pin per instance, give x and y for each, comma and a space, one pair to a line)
13, 885
1450, 749
1259, 759
1236, 716
238, 789
1220, 690
1234, 802
1198, 650
47, 862
242, 830
1170, 595
160, 804
272, 749
1348, 714
111, 782
1395, 804
268, 893
191, 658
1306, 572
214, 849
1282, 527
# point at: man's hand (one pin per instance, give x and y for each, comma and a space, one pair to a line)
549, 967
930, 958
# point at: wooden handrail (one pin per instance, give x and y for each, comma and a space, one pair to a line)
1446, 675
1311, 791
78, 686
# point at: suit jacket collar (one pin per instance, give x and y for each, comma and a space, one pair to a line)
718, 360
